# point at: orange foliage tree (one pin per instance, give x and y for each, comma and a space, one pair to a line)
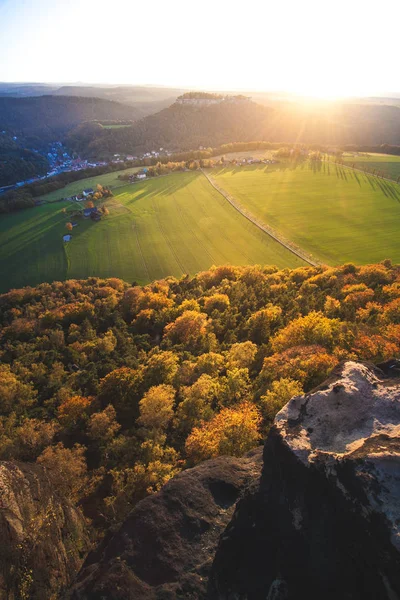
74, 411
234, 431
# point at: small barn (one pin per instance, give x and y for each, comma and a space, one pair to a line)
67, 238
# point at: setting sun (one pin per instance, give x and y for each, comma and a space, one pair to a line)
292, 46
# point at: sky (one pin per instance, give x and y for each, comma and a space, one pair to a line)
309, 47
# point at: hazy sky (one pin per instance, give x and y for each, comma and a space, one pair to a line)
305, 46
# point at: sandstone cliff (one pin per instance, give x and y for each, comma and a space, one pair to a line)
43, 538
324, 522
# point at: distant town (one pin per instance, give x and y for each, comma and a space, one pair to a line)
62, 161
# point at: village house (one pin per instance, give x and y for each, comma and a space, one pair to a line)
67, 238
93, 213
88, 192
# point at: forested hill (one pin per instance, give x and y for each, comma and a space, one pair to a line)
49, 117
184, 127
181, 127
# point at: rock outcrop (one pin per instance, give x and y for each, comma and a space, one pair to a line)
166, 546
43, 537
323, 522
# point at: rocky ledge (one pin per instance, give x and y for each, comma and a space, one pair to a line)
166, 546
322, 522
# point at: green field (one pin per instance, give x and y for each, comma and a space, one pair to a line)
167, 226
108, 179
31, 248
334, 213
384, 163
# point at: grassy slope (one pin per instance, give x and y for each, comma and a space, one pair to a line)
31, 249
336, 214
168, 226
108, 179
387, 164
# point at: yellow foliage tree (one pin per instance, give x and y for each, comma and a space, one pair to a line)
103, 425
241, 355
156, 409
314, 328
67, 468
263, 322
234, 431
280, 393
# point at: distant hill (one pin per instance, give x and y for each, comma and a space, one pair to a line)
127, 94
187, 123
50, 117
181, 127
184, 126
18, 90
146, 99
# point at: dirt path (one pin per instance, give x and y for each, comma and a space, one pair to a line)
297, 251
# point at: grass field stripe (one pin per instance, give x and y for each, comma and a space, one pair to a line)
190, 228
222, 233
166, 238
134, 227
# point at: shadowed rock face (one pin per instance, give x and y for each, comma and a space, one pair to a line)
324, 522
166, 546
43, 538
321, 523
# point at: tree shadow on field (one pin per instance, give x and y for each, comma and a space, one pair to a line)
382, 188
339, 173
171, 183
39, 227
371, 183
392, 192
316, 166
356, 177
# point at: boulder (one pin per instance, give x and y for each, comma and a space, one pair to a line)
43, 537
165, 547
325, 520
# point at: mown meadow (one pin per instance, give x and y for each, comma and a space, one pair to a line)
334, 213
172, 225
